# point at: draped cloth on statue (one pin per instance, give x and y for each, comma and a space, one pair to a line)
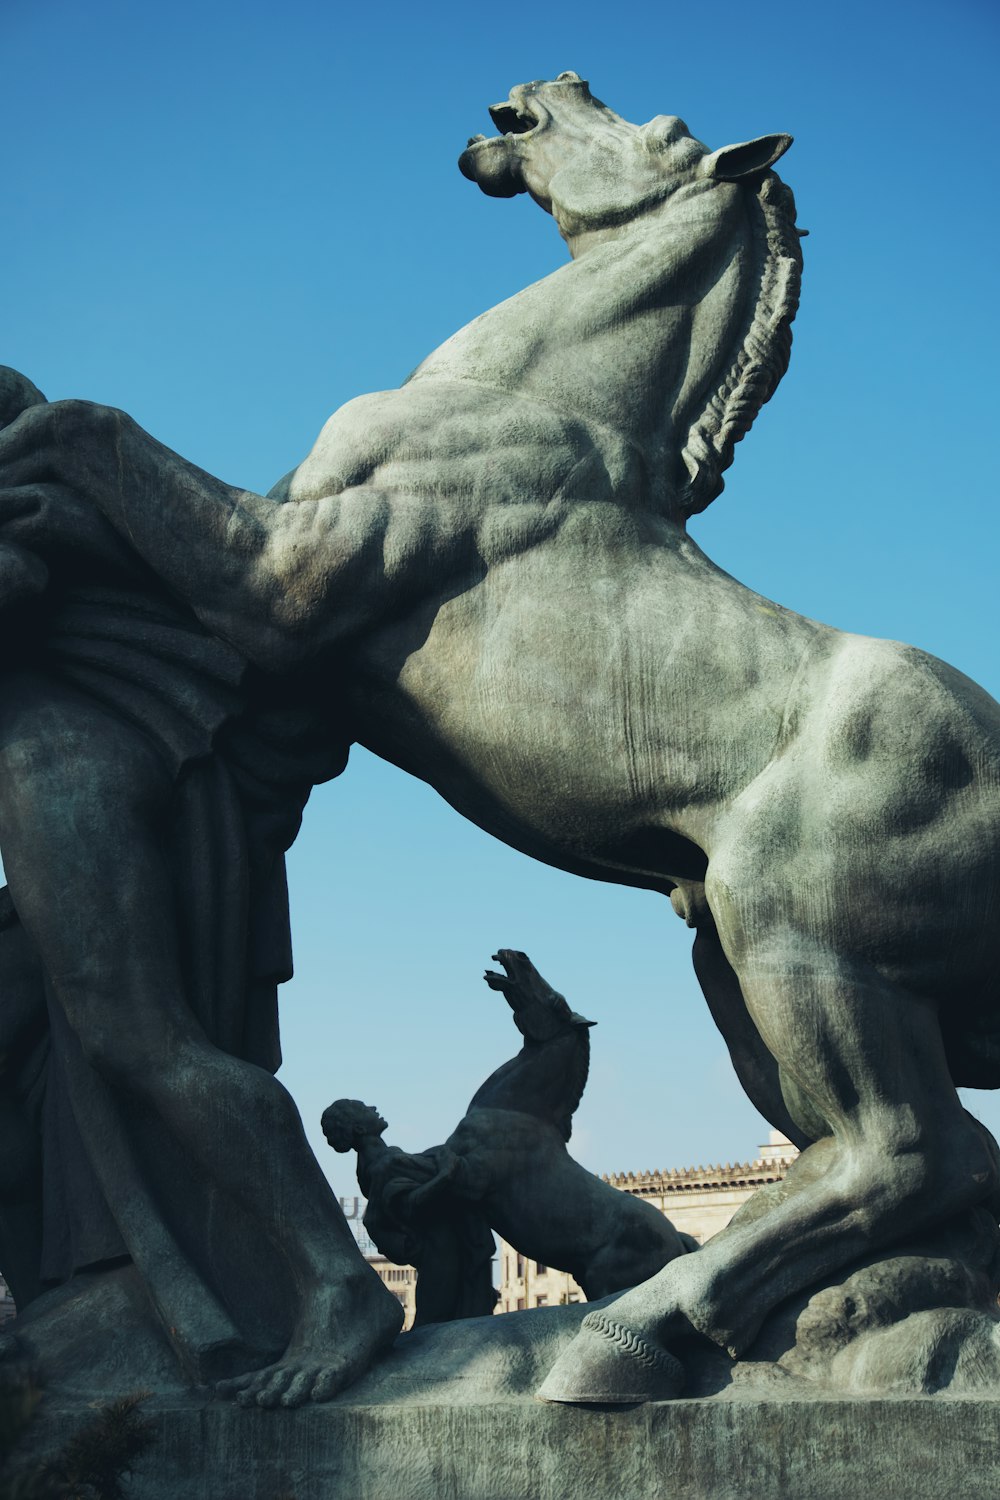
446, 1238
243, 760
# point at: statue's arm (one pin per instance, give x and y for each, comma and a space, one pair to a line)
280, 581
447, 1170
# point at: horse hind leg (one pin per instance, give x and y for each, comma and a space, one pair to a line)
903, 1156
756, 1069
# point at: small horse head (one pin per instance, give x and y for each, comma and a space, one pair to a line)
540, 1012
347, 1121
590, 168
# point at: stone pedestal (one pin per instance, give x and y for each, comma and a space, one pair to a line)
931, 1448
450, 1414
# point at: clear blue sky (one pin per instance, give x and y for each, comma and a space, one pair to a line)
228, 218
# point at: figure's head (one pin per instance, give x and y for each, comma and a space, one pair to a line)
346, 1122
590, 168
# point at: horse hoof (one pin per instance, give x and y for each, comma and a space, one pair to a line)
608, 1365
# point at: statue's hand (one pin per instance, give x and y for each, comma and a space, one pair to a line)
52, 458
52, 441
448, 1167
77, 444
204, 539
39, 511
45, 523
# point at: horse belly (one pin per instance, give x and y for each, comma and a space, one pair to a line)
528, 1186
522, 712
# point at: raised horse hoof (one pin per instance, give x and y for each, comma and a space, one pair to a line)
608, 1365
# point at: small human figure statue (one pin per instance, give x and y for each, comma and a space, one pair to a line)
413, 1218
506, 1167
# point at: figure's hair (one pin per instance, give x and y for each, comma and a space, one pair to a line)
346, 1120
761, 359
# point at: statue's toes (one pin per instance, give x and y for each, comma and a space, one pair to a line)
607, 1364
234, 1384
327, 1384
301, 1388
272, 1390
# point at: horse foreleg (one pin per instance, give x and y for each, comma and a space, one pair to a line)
902, 1156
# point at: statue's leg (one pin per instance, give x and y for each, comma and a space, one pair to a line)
83, 801
903, 1155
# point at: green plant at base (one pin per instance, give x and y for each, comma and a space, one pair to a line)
93, 1465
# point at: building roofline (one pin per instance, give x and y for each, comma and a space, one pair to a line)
689, 1179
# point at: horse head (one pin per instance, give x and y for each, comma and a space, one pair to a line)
593, 170
548, 1076
540, 1012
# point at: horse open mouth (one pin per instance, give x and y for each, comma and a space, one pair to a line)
490, 161
510, 120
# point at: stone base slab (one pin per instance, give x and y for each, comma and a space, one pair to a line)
450, 1414
936, 1448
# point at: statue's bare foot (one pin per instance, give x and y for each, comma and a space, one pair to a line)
610, 1364
347, 1327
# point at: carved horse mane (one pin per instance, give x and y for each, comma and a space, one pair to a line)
761, 358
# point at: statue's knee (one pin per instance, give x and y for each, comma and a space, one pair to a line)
118, 1049
112, 1056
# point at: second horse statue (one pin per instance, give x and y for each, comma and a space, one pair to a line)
506, 1167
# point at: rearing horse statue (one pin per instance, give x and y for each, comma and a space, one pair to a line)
489, 572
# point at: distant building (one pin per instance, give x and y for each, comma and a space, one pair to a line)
7, 1309
402, 1283
528, 1283
699, 1201
401, 1280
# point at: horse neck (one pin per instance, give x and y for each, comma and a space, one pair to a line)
545, 1080
629, 335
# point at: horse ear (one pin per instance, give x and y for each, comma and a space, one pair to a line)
747, 160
